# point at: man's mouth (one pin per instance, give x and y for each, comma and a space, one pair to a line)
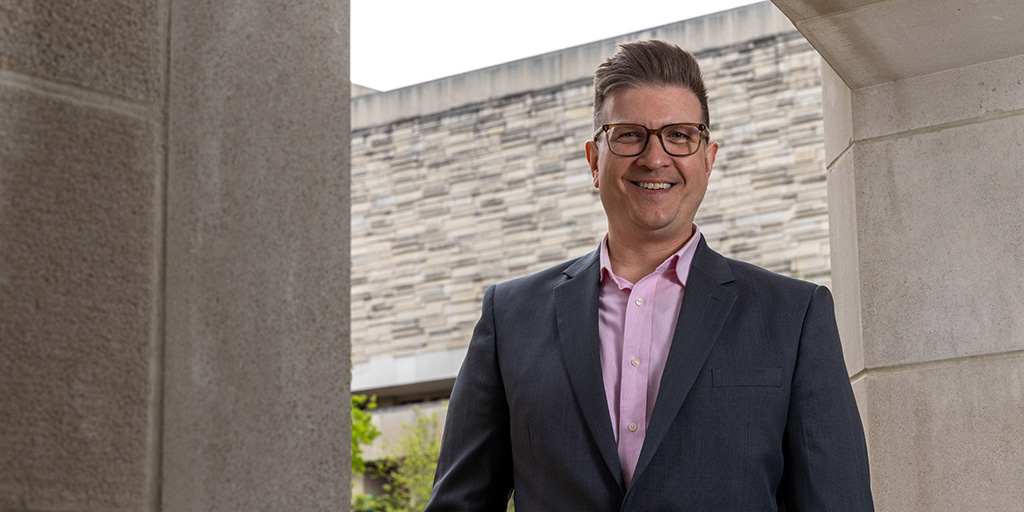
652, 186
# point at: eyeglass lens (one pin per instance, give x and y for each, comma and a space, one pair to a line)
677, 140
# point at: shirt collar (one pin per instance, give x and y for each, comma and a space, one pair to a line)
679, 261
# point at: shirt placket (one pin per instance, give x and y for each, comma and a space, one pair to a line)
636, 349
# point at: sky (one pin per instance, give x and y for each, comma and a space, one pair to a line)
396, 43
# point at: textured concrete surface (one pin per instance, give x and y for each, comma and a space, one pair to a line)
802, 9
837, 101
843, 239
110, 46
257, 415
78, 281
975, 93
940, 252
873, 42
257, 361
947, 437
445, 204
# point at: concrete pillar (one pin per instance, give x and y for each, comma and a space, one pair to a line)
81, 216
924, 126
174, 256
257, 355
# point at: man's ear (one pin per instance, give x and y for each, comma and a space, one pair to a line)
591, 148
710, 151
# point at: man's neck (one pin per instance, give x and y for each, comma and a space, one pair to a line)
633, 260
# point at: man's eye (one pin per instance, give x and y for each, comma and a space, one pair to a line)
678, 136
628, 136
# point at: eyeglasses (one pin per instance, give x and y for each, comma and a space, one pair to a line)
680, 139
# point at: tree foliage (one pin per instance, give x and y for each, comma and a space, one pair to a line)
363, 429
408, 476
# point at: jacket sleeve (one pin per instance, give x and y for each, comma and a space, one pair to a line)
826, 460
474, 471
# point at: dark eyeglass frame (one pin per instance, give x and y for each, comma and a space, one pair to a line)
702, 130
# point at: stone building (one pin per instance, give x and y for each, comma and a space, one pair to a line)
478, 178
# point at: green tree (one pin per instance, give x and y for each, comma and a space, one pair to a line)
409, 475
420, 448
363, 429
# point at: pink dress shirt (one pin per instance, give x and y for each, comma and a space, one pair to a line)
635, 324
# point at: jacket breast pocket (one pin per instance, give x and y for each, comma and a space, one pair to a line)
746, 377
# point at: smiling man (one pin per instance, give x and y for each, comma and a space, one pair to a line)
653, 373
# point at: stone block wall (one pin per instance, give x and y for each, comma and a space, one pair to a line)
80, 173
446, 203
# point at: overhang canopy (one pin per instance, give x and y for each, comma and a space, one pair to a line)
869, 42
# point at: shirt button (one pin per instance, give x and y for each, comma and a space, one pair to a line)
639, 302
635, 361
632, 427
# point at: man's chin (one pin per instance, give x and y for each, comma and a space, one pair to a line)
661, 230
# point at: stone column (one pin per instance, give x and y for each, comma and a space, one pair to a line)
257, 354
81, 244
924, 122
174, 256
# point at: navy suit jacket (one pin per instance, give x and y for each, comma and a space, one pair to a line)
755, 410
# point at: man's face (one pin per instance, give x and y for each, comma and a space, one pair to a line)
639, 206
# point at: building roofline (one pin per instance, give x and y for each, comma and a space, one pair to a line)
716, 30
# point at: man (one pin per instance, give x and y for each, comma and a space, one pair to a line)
653, 373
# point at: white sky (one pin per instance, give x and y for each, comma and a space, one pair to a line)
396, 43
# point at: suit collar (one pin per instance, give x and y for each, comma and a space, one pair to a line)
711, 264
584, 264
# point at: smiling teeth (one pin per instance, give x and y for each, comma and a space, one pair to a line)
654, 186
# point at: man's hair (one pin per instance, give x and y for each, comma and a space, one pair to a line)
649, 62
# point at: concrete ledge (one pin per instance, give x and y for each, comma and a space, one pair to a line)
388, 375
971, 94
557, 68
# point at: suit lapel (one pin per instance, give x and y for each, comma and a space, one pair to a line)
706, 305
576, 310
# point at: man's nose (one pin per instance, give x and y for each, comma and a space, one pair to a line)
654, 155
